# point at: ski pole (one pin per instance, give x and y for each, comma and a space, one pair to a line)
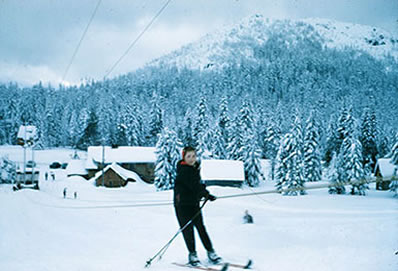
162, 251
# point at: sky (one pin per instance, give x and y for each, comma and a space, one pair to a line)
38, 37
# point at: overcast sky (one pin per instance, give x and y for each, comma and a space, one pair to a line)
38, 37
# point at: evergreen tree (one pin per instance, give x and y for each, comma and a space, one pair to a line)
133, 132
337, 174
167, 156
369, 138
352, 151
7, 170
186, 129
219, 150
312, 161
223, 128
272, 143
156, 120
251, 160
288, 173
236, 141
394, 160
201, 122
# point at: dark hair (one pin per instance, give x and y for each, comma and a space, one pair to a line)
187, 149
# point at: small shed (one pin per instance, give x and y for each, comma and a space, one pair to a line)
76, 167
385, 170
31, 176
222, 172
115, 176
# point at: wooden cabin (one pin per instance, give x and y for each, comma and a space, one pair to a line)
385, 170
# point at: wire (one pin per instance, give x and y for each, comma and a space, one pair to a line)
138, 37
81, 40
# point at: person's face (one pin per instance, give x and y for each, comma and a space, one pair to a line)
190, 158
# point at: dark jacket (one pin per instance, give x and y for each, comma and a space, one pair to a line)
188, 190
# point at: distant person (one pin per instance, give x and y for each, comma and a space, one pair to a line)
46, 176
247, 218
75, 195
188, 191
64, 192
53, 175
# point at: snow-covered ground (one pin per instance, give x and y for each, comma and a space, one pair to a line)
109, 229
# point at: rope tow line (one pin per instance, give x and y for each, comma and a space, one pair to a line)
273, 191
312, 187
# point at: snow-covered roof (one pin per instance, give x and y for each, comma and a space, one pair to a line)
28, 132
89, 164
222, 170
387, 169
76, 167
122, 172
125, 154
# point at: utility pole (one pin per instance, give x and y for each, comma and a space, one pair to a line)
103, 161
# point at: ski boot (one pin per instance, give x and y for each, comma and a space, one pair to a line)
193, 259
213, 257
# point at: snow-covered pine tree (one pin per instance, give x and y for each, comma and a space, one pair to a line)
287, 165
204, 147
272, 143
132, 126
186, 129
7, 170
368, 138
167, 156
235, 143
156, 120
312, 159
394, 160
298, 133
201, 123
339, 176
219, 150
224, 127
251, 160
352, 151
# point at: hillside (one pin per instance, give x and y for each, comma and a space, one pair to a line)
216, 49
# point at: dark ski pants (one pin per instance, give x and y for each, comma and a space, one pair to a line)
184, 215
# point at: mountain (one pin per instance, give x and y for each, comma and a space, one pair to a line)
218, 48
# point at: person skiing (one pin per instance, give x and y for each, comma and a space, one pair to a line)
247, 218
188, 191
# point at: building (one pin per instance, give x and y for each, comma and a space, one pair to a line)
222, 172
385, 170
115, 176
138, 159
77, 167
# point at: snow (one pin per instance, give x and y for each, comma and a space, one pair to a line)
113, 229
122, 154
231, 170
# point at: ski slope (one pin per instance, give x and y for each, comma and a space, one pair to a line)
109, 229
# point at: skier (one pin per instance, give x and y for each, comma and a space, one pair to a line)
188, 191
64, 192
247, 218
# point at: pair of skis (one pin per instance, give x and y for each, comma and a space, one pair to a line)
224, 266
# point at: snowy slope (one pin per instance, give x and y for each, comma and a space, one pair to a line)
216, 49
104, 229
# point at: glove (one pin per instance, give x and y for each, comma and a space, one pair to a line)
211, 197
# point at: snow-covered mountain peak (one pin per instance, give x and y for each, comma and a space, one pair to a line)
218, 48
